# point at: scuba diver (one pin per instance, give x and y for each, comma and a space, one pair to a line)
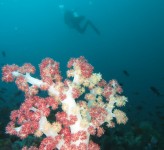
73, 20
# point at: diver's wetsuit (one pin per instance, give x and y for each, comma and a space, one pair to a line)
74, 21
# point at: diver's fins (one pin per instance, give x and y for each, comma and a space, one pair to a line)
94, 27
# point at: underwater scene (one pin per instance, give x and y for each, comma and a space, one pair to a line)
82, 74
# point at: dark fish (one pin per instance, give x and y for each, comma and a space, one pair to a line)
135, 93
121, 84
126, 73
139, 107
155, 91
18, 104
3, 54
18, 93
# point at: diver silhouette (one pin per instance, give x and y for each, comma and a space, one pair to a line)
73, 20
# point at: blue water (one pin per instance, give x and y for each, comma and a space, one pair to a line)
131, 39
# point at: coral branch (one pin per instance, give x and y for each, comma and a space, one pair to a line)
62, 119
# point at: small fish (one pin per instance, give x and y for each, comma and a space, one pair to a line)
121, 84
3, 54
18, 104
18, 93
135, 93
155, 91
126, 73
139, 107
